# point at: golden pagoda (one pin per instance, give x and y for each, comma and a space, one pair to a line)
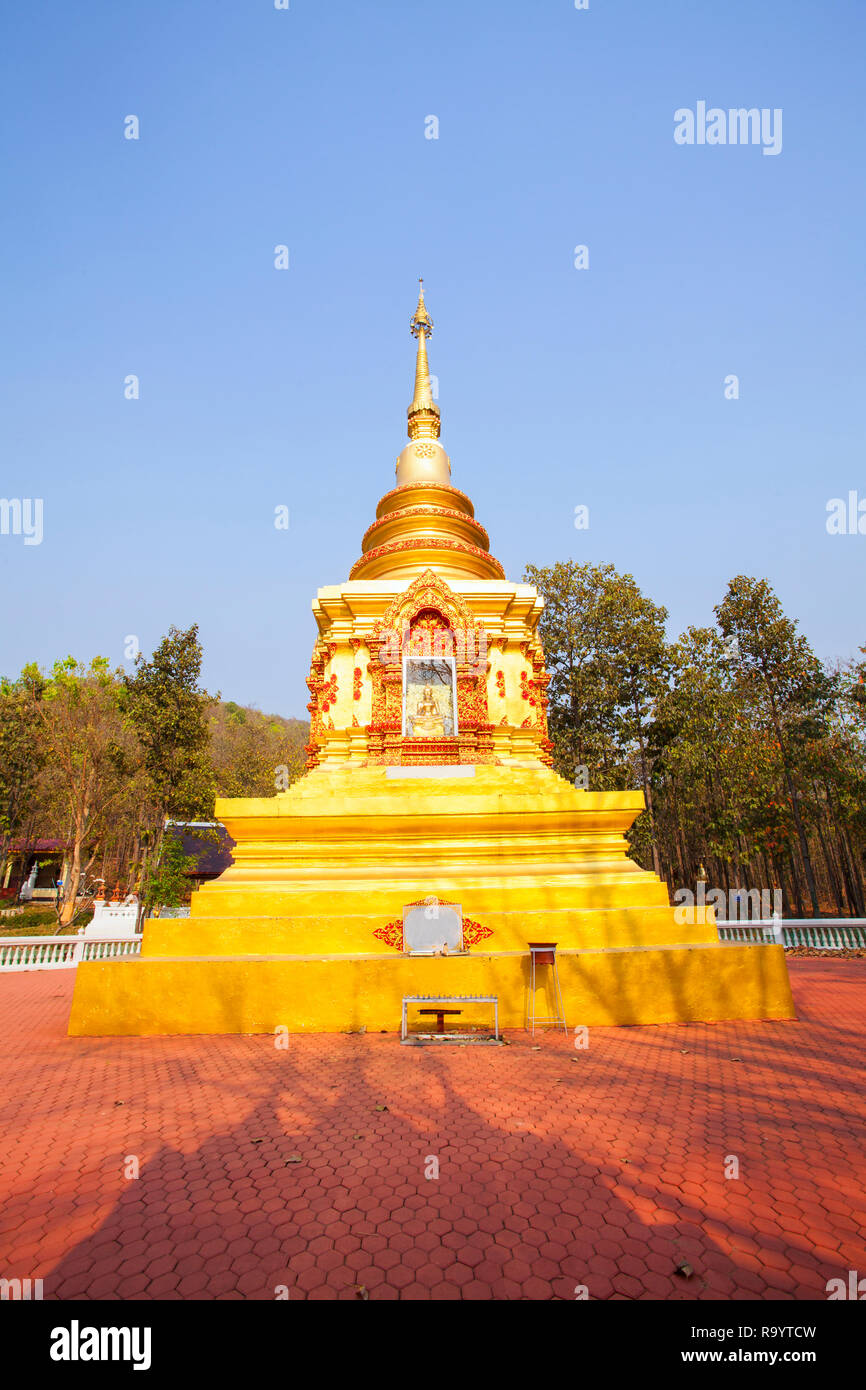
428, 783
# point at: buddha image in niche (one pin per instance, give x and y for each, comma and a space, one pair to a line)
428, 721
429, 699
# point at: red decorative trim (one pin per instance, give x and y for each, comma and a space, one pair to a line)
392, 935
473, 932
439, 487
427, 543
329, 695
426, 509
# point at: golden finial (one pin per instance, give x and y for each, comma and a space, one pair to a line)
423, 412
421, 321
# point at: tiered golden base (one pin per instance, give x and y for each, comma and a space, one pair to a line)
286, 937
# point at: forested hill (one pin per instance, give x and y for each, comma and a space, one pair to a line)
254, 754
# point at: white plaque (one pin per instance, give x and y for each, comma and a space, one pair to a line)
427, 930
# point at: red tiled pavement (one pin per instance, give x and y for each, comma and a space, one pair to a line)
557, 1168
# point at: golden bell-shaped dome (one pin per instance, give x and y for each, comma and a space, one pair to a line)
423, 460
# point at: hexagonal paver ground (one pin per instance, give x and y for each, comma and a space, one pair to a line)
349, 1166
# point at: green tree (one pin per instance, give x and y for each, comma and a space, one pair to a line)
857, 676
715, 773
637, 661
789, 688
582, 706
89, 757
167, 884
21, 755
168, 710
608, 660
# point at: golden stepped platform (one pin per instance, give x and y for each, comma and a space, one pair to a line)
285, 938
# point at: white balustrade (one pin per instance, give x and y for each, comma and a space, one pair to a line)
826, 933
62, 952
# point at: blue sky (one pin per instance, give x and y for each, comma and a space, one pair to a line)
558, 387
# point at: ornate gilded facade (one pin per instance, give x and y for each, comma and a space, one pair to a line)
427, 583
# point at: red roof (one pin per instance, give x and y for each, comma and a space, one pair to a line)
37, 846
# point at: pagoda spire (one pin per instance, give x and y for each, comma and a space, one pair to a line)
424, 523
423, 413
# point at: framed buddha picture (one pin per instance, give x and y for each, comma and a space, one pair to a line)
429, 697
